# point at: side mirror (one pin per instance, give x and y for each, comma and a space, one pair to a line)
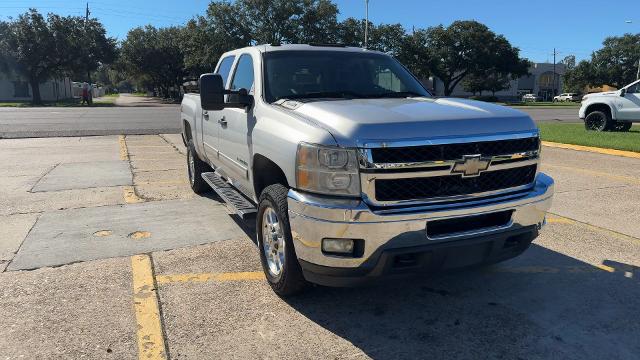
240, 98
211, 92
623, 92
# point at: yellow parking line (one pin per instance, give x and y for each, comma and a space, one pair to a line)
629, 154
564, 220
579, 269
219, 277
605, 268
555, 219
124, 153
167, 182
130, 196
145, 303
622, 178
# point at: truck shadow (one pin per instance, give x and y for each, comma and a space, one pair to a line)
542, 304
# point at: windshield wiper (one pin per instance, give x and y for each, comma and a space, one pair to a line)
323, 94
396, 94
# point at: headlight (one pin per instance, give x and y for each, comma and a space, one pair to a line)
327, 170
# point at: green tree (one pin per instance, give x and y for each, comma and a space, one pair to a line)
469, 47
414, 54
493, 82
229, 26
29, 43
205, 38
155, 57
616, 64
577, 79
318, 22
39, 48
569, 62
475, 84
388, 38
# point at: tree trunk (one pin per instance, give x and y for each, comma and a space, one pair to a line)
447, 90
35, 91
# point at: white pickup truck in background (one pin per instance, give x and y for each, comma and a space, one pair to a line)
354, 171
612, 110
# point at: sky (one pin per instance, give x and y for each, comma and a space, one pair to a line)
573, 27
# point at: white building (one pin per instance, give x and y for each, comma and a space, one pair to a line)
15, 88
540, 82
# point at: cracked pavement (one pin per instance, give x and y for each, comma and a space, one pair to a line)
70, 288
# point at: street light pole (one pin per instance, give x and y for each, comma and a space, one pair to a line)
366, 23
638, 73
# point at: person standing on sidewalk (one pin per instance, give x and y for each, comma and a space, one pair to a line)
85, 94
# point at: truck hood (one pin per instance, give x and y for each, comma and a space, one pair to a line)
354, 123
602, 94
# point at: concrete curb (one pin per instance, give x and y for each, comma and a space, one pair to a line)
629, 154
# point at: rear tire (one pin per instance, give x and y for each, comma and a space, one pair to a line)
623, 126
275, 243
195, 168
598, 121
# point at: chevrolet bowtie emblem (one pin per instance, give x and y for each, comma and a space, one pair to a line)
471, 165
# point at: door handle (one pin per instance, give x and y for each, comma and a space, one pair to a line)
222, 121
205, 115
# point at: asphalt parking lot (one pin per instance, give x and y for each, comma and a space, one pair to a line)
106, 253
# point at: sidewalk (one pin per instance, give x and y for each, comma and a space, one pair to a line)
129, 100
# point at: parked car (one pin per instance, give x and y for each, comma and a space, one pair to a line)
566, 97
612, 110
530, 98
353, 170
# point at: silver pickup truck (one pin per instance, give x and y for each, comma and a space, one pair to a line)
353, 170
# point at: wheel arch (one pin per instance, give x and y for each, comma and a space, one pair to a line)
266, 172
187, 133
606, 108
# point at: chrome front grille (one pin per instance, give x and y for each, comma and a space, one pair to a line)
416, 154
453, 185
429, 172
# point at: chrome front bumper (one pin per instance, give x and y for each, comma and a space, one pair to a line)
314, 218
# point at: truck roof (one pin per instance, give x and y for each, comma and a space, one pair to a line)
302, 47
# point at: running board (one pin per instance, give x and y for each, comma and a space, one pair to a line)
243, 207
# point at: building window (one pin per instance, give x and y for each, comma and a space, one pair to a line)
20, 89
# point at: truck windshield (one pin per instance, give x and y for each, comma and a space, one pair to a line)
336, 74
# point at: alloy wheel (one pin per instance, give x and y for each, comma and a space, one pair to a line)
192, 167
273, 243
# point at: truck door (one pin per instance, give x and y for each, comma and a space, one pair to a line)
210, 126
235, 128
629, 105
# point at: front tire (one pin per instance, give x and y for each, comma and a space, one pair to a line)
598, 121
195, 168
277, 254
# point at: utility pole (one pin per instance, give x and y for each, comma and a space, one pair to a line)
366, 23
638, 73
86, 37
554, 72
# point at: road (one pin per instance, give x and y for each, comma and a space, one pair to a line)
559, 114
133, 115
125, 261
139, 116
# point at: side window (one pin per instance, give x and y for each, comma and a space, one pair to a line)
243, 76
632, 89
225, 68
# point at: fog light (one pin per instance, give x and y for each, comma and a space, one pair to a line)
338, 246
